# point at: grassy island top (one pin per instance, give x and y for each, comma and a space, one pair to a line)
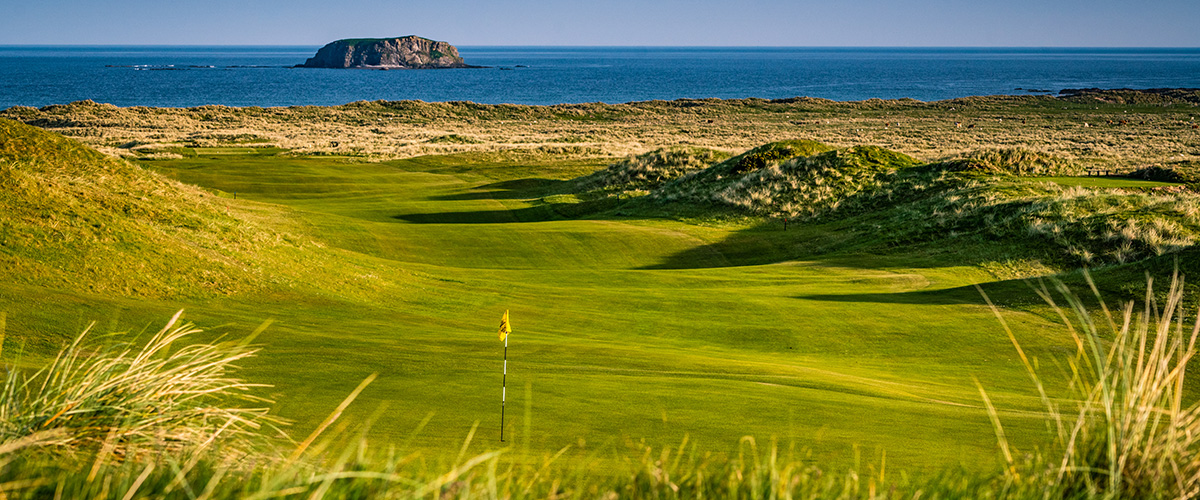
354, 42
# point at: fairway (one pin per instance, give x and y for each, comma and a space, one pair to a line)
223, 151
628, 331
1106, 182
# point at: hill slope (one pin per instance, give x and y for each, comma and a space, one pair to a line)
79, 220
75, 217
1027, 200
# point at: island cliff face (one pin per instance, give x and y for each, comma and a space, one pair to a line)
408, 52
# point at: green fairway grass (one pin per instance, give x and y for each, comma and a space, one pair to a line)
628, 330
234, 151
625, 328
1105, 182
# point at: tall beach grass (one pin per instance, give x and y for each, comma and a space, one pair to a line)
1128, 428
168, 393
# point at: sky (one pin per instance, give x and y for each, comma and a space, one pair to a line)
981, 23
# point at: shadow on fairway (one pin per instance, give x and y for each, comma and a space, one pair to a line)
516, 189
960, 295
531, 214
537, 213
765, 243
1115, 284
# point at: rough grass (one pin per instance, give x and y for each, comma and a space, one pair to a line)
995, 194
699, 185
1185, 172
76, 219
814, 185
1128, 430
1013, 161
1089, 130
453, 139
74, 215
648, 170
163, 394
1007, 208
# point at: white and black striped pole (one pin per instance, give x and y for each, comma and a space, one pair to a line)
505, 329
503, 388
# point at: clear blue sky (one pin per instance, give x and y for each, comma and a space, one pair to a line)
1036, 23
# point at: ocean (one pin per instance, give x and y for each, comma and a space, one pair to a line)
175, 76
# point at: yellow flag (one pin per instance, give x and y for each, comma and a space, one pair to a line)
505, 326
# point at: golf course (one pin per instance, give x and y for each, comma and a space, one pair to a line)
800, 291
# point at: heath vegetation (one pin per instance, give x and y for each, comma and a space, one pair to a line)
1114, 129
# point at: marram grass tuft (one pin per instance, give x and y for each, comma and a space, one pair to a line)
167, 393
1126, 431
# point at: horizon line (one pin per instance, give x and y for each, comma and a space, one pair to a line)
66, 45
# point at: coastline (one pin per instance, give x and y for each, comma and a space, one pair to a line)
552, 75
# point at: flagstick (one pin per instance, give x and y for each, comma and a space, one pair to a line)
503, 388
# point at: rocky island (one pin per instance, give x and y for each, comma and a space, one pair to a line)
407, 52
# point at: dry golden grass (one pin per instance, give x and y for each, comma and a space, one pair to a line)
164, 392
1128, 430
1100, 130
79, 220
649, 170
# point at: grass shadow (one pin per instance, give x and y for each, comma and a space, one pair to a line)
594, 209
764, 243
516, 189
947, 296
530, 214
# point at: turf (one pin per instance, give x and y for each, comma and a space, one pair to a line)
628, 331
1106, 182
223, 151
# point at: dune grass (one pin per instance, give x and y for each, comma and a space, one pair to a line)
1002, 194
71, 212
1128, 430
1120, 130
164, 394
648, 170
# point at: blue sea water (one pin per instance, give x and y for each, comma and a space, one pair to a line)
262, 76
